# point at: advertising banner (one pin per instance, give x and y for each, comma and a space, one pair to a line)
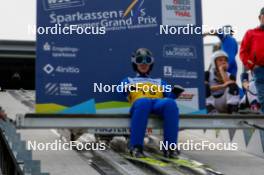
84, 50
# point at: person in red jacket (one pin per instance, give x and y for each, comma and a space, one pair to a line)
252, 56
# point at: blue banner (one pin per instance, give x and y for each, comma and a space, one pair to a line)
81, 43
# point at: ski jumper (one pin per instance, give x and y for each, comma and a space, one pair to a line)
161, 103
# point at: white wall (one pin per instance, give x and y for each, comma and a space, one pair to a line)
15, 16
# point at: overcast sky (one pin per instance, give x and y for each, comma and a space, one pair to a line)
16, 15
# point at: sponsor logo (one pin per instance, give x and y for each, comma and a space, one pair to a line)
181, 8
170, 72
49, 69
178, 12
64, 52
60, 4
186, 96
176, 51
62, 89
67, 89
167, 70
51, 89
61, 51
132, 5
111, 131
69, 69
46, 47
125, 131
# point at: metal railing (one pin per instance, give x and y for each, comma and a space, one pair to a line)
15, 159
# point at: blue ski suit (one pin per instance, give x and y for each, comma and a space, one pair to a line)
161, 103
229, 45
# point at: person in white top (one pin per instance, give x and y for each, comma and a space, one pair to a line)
222, 94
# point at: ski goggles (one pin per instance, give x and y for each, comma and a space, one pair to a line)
143, 60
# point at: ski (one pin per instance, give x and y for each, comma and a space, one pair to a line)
160, 167
187, 164
181, 162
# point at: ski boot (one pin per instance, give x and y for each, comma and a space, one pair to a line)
137, 152
172, 154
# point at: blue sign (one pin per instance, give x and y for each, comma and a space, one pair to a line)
59, 4
85, 45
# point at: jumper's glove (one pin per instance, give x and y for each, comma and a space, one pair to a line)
177, 90
133, 87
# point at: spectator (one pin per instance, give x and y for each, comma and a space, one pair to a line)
252, 56
228, 44
250, 99
222, 91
